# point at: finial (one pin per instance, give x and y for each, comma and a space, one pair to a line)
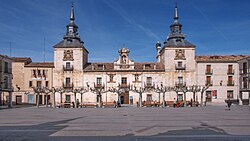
176, 12
72, 16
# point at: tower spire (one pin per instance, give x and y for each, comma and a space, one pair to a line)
176, 13
72, 16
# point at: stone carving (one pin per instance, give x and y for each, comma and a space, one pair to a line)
68, 55
180, 54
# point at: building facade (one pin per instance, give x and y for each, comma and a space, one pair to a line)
244, 84
177, 64
5, 81
28, 75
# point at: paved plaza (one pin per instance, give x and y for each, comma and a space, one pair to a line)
126, 123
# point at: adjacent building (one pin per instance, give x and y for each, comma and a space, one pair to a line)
5, 81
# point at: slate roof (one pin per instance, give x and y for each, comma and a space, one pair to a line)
178, 43
73, 43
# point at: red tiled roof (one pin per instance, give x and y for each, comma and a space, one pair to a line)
41, 64
217, 58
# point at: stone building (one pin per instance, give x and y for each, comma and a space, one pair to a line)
28, 74
5, 80
244, 84
177, 64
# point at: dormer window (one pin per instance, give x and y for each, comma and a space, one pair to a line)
100, 67
147, 66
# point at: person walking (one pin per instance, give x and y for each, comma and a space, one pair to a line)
229, 103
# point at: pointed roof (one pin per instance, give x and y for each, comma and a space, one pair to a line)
71, 39
176, 38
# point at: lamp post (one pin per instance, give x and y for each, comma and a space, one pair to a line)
98, 90
162, 89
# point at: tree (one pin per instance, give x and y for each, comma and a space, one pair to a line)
203, 89
98, 90
162, 89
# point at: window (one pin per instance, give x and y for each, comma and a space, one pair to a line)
99, 81
47, 84
6, 67
136, 77
208, 80
230, 69
124, 80
230, 81
147, 66
230, 94
149, 81
244, 67
39, 84
30, 84
67, 65
44, 72
149, 97
208, 69
179, 64
180, 80
5, 82
34, 73
244, 82
39, 72
68, 99
67, 80
111, 78
100, 67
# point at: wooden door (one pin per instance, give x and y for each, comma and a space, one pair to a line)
18, 99
125, 98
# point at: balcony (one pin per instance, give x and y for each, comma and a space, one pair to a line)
209, 72
209, 83
230, 72
180, 83
124, 85
67, 68
68, 85
180, 67
149, 85
8, 71
6, 86
230, 83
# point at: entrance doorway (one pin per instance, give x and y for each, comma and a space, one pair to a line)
47, 99
40, 99
18, 99
209, 96
31, 99
125, 98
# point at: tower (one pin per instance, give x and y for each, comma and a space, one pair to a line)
178, 55
70, 55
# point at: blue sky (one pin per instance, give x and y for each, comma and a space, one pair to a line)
216, 27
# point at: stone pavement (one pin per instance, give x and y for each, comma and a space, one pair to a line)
126, 123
